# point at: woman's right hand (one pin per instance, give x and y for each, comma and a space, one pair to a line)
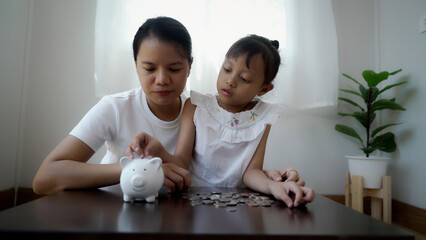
175, 177
144, 145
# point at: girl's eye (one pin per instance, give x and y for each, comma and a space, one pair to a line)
226, 70
244, 80
175, 69
149, 69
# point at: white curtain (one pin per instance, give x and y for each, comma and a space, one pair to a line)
304, 28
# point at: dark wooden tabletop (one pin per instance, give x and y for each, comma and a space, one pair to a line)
102, 214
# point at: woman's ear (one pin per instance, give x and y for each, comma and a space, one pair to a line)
265, 88
190, 65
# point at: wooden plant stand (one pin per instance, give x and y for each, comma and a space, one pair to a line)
381, 199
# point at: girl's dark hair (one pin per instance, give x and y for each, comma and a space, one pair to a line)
253, 45
166, 29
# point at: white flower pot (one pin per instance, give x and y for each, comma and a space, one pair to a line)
371, 169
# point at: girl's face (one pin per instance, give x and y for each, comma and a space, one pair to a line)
162, 70
237, 85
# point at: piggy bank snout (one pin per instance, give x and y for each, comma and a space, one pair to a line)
137, 181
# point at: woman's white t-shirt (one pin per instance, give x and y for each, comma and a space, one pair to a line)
116, 118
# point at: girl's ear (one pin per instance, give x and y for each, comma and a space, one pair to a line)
265, 88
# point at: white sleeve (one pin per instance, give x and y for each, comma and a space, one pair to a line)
98, 125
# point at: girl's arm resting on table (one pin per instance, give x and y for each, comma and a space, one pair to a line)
256, 179
66, 168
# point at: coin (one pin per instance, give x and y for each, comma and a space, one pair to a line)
232, 203
193, 198
226, 195
224, 200
208, 202
214, 196
229, 200
252, 204
220, 205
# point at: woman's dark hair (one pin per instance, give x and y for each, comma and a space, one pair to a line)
253, 45
166, 29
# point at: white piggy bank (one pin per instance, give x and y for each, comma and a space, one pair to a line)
141, 179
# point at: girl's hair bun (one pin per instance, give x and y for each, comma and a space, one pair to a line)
275, 43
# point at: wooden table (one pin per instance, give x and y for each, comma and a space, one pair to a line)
102, 214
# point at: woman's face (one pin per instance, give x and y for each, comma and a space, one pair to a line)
162, 69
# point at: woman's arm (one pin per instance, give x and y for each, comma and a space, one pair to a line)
66, 168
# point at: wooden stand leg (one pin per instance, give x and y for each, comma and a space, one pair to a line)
381, 199
387, 200
376, 208
348, 190
357, 191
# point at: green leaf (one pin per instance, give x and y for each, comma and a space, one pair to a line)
373, 78
364, 92
368, 150
373, 94
385, 142
389, 87
351, 78
397, 71
350, 91
386, 104
361, 117
351, 102
348, 131
377, 130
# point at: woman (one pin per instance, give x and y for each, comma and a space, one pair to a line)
162, 52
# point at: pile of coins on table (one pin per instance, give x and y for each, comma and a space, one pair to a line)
222, 200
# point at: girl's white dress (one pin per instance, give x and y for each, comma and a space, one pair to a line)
225, 142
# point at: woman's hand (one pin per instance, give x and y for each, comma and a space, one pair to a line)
144, 145
286, 175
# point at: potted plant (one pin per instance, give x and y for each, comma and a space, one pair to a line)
372, 168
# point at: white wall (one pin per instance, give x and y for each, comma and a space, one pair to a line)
58, 89
61, 85
403, 46
12, 59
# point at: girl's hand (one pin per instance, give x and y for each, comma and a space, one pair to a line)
291, 193
175, 177
286, 175
144, 145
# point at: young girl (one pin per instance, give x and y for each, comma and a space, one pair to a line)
226, 134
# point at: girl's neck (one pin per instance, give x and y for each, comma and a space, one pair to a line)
236, 109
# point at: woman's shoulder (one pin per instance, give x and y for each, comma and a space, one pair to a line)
130, 94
